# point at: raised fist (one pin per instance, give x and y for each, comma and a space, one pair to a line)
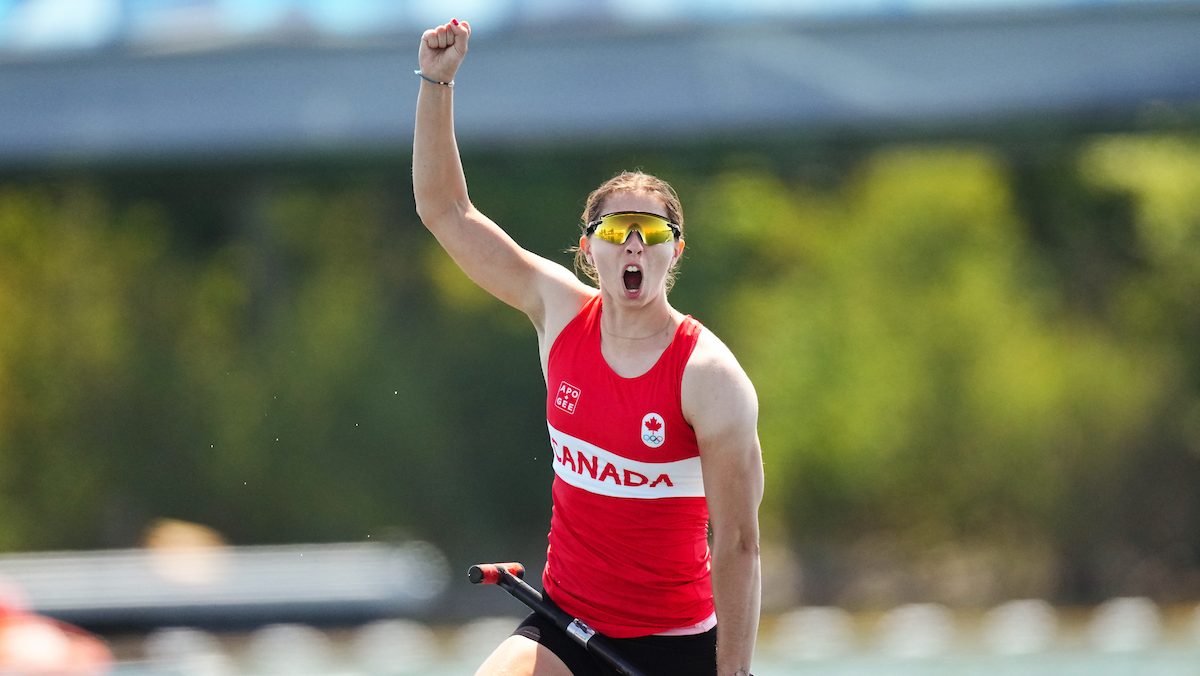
443, 48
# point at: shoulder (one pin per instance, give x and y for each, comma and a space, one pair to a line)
560, 310
560, 292
715, 388
713, 363
564, 307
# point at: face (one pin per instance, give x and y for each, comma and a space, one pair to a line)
632, 272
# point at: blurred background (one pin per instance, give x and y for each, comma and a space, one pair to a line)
252, 420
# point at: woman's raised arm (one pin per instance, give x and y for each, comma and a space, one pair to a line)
482, 249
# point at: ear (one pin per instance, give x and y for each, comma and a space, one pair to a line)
586, 248
679, 244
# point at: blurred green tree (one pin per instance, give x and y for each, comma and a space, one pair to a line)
954, 352
921, 383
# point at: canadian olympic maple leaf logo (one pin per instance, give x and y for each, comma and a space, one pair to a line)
653, 434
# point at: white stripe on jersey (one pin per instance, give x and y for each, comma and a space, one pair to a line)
602, 472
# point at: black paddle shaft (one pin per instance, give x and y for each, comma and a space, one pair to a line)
508, 576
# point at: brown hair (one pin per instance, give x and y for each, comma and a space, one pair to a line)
627, 181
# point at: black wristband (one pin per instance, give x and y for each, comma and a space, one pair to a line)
430, 80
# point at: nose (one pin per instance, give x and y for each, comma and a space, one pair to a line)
634, 243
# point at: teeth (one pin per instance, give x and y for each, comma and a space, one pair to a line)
631, 268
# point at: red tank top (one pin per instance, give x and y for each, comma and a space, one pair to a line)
628, 550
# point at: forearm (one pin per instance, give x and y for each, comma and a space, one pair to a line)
737, 590
438, 181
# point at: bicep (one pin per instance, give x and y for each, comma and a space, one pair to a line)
725, 417
733, 482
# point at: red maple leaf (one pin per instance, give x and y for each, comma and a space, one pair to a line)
653, 425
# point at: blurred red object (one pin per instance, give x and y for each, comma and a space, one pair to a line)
32, 645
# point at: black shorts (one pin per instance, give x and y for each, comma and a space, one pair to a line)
693, 655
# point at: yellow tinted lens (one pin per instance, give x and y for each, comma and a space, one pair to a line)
615, 228
656, 231
611, 230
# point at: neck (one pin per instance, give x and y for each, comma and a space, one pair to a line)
636, 324
616, 334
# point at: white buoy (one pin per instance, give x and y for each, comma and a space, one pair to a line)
1125, 625
291, 649
1020, 627
183, 651
390, 647
917, 630
812, 633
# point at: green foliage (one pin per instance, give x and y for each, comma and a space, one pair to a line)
915, 377
949, 345
70, 273
1161, 177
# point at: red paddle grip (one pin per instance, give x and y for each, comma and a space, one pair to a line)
489, 573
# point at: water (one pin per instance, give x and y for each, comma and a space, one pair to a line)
1117, 639
1157, 663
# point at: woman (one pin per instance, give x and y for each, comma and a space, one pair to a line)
653, 424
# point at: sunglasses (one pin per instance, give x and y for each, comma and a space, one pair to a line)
616, 227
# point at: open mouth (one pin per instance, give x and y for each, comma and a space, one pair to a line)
632, 278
